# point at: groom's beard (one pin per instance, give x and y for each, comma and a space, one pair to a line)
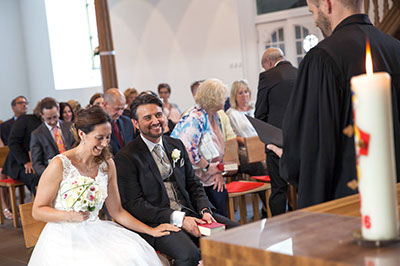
148, 133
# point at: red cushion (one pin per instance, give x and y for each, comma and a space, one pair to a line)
9, 180
264, 178
240, 186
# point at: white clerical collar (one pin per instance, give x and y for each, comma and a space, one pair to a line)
278, 62
50, 127
150, 145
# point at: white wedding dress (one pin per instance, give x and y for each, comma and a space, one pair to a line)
92, 242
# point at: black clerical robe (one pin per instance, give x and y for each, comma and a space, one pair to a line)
317, 157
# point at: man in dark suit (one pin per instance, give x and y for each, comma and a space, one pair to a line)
52, 137
122, 128
19, 106
274, 89
157, 184
18, 164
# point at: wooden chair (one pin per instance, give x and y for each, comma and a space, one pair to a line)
11, 184
30, 226
256, 153
3, 155
250, 188
232, 155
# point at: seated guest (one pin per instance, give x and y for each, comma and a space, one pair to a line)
19, 106
240, 107
172, 110
122, 128
97, 99
51, 138
18, 165
66, 113
75, 105
130, 95
202, 126
225, 123
157, 187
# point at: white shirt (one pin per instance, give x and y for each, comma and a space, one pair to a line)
177, 216
240, 124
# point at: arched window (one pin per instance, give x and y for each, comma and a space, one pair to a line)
277, 40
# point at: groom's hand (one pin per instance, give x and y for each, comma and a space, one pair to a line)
164, 230
190, 225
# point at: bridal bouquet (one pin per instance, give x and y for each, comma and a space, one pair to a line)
81, 194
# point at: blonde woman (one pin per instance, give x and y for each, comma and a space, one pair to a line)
240, 107
202, 123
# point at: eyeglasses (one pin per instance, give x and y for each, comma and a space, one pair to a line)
22, 103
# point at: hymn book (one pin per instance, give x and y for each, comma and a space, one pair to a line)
210, 229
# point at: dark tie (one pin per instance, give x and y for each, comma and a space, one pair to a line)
117, 134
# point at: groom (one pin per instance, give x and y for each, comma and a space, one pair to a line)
158, 187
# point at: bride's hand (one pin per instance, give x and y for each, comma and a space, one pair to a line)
78, 216
163, 230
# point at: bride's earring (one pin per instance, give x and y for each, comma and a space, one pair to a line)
83, 142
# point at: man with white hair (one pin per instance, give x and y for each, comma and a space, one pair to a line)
318, 153
274, 88
122, 127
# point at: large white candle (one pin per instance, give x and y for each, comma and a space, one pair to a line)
376, 161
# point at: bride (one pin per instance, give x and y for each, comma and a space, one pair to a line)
73, 237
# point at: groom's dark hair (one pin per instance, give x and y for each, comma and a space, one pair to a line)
143, 100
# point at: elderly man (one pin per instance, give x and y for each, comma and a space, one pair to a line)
318, 156
274, 89
122, 128
52, 137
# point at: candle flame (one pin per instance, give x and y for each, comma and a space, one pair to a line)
368, 60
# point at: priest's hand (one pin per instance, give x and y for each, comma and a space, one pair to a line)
190, 225
278, 151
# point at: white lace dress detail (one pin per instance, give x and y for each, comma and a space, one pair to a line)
92, 242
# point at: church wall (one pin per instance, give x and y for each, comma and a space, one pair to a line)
155, 41
13, 74
176, 42
36, 41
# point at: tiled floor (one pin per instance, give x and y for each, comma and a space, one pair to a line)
12, 246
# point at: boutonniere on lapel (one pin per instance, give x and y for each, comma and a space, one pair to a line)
176, 155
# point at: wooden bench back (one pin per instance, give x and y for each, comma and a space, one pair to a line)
30, 226
255, 150
231, 151
3, 155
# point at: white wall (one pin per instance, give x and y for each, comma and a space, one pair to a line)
40, 74
13, 77
177, 42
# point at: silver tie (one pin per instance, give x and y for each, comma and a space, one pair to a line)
162, 162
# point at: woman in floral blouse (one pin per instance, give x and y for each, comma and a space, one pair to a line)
202, 124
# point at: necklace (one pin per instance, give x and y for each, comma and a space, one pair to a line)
87, 168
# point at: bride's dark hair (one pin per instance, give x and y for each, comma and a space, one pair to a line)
86, 120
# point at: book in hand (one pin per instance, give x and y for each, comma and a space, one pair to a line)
212, 228
227, 166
